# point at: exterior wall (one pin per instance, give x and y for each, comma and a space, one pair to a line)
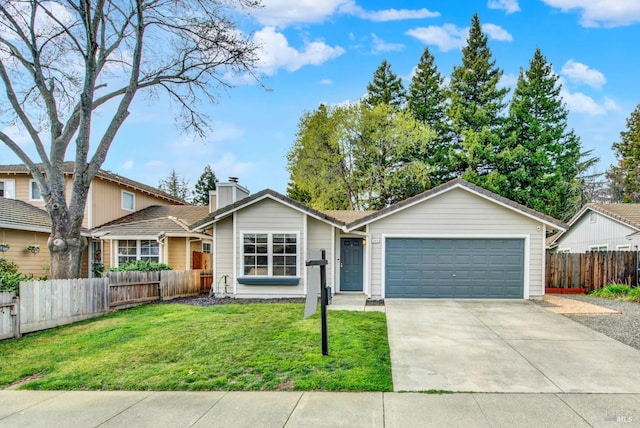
223, 256
457, 213
28, 263
176, 252
106, 201
319, 238
604, 231
270, 216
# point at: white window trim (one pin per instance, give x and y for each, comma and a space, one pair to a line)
564, 250
625, 247
270, 253
133, 196
593, 217
599, 247
210, 247
138, 250
9, 188
31, 198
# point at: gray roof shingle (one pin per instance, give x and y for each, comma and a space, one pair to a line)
15, 214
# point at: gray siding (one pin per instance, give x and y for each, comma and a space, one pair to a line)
605, 231
319, 238
223, 254
270, 216
459, 213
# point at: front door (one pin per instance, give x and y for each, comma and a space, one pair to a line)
351, 258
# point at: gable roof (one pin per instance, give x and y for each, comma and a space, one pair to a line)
350, 220
69, 167
261, 195
16, 214
154, 221
458, 183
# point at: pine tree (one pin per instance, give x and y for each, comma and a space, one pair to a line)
627, 152
176, 186
541, 164
427, 102
385, 88
475, 108
206, 182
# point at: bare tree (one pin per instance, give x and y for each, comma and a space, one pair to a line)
62, 61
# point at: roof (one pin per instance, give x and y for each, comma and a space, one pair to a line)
350, 220
266, 194
460, 183
154, 221
16, 214
69, 167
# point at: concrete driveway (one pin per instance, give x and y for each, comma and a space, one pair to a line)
502, 346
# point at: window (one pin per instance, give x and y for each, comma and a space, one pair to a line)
128, 201
593, 217
145, 249
623, 247
270, 254
564, 250
206, 247
34, 191
602, 247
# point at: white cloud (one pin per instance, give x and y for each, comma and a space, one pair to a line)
508, 81
282, 13
380, 45
446, 37
496, 32
277, 53
581, 73
509, 6
577, 102
607, 13
225, 132
229, 166
326, 82
127, 165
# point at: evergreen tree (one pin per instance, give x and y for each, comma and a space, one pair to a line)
627, 150
206, 182
385, 88
176, 186
427, 102
540, 162
475, 108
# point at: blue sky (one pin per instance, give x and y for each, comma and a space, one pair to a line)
326, 52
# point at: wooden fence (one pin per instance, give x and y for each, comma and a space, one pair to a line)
47, 304
591, 270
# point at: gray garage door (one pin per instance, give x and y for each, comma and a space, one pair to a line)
454, 268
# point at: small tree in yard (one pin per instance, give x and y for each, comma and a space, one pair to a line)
63, 61
206, 182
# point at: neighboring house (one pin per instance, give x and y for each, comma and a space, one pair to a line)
22, 225
158, 233
111, 196
601, 227
454, 241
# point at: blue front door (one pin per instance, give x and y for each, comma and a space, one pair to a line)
351, 258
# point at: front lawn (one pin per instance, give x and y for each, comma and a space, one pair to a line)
182, 347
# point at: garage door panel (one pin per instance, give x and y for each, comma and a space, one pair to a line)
454, 268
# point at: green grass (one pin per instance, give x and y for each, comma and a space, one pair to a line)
182, 347
619, 291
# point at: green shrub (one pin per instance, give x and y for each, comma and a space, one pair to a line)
140, 265
634, 295
613, 291
9, 276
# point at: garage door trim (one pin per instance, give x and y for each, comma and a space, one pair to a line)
525, 237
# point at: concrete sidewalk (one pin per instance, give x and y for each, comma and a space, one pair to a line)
312, 409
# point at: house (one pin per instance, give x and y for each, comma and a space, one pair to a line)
111, 196
457, 240
158, 233
601, 227
22, 225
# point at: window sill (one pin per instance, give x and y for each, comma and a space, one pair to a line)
271, 280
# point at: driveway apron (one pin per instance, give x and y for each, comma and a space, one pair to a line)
502, 346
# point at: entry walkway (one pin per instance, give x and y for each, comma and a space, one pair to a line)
49, 409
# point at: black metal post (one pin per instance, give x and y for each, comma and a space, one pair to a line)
323, 303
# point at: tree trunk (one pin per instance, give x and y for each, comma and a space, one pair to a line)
66, 256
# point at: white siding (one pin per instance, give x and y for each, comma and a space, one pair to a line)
605, 231
459, 213
223, 254
319, 238
270, 216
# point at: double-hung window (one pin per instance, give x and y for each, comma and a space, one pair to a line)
270, 254
145, 249
34, 191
